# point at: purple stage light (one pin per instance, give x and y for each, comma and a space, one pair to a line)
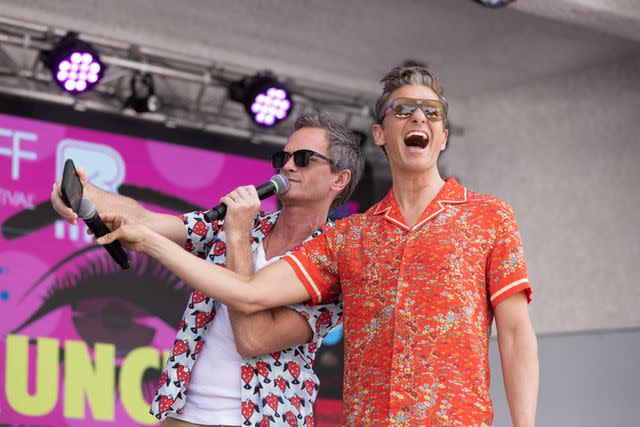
78, 71
265, 99
74, 64
271, 106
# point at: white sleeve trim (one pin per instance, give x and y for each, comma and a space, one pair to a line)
509, 286
307, 276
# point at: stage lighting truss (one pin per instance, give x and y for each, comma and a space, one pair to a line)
195, 92
75, 65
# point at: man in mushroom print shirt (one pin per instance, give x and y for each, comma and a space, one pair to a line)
422, 274
269, 380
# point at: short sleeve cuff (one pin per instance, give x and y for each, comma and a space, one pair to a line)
306, 276
511, 289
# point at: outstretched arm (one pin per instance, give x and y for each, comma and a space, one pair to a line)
519, 358
273, 286
169, 226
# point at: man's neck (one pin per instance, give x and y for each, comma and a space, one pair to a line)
413, 192
295, 223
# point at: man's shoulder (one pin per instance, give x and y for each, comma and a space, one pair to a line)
195, 222
488, 206
199, 214
487, 201
352, 220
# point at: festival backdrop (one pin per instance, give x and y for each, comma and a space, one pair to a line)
82, 342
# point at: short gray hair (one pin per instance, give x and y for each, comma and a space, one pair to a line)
344, 146
405, 76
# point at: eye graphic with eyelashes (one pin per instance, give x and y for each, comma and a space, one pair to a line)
116, 306
111, 305
108, 304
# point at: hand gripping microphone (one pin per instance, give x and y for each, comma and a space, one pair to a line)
278, 184
88, 213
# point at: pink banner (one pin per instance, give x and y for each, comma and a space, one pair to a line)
81, 341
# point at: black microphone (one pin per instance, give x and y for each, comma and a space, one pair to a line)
90, 216
278, 184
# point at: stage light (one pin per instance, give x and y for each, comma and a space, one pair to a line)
143, 97
494, 3
266, 100
75, 65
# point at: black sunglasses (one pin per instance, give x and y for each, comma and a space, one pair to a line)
301, 158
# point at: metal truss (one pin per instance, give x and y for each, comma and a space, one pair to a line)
193, 91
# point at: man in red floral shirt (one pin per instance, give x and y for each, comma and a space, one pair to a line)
423, 274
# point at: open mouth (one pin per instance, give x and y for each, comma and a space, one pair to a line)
416, 139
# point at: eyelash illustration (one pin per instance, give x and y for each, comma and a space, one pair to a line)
108, 302
98, 287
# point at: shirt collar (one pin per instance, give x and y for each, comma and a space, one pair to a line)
451, 193
263, 219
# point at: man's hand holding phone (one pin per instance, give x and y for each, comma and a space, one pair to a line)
58, 202
67, 199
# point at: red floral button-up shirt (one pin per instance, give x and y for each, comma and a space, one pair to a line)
418, 304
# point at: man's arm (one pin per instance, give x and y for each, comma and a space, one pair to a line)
519, 358
273, 286
169, 226
269, 330
266, 331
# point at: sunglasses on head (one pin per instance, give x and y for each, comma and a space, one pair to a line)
404, 107
301, 158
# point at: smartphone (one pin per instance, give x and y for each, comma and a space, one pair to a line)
71, 187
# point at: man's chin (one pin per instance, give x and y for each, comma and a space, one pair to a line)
289, 196
416, 164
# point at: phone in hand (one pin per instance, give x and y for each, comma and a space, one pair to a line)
71, 187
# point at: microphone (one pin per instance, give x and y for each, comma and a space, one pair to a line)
87, 212
278, 184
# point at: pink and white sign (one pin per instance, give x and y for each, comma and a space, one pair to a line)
81, 341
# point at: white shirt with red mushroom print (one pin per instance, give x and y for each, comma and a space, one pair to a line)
277, 389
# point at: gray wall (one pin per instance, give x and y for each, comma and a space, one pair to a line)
565, 153
586, 380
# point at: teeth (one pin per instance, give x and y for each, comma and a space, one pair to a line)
417, 133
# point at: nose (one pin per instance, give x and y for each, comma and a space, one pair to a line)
289, 165
418, 116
